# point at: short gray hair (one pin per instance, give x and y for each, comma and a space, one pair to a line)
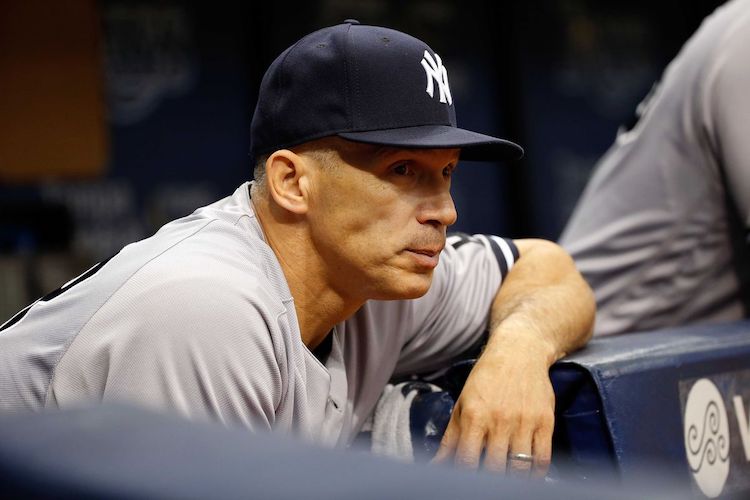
259, 171
259, 176
320, 150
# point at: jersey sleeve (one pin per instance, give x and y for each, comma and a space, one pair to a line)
454, 314
729, 109
197, 347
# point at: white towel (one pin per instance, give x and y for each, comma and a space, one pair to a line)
391, 432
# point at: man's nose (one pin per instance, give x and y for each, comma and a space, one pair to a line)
438, 210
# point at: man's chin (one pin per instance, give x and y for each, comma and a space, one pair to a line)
412, 287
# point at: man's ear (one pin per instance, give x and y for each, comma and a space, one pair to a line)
286, 175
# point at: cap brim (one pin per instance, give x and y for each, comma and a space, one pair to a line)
474, 146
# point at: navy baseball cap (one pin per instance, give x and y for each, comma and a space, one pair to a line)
367, 84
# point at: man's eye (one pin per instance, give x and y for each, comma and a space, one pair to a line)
402, 169
447, 172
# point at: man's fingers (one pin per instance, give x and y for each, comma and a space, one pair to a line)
523, 449
469, 447
496, 452
463, 439
543, 449
520, 456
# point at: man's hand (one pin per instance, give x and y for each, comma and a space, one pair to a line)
506, 406
543, 311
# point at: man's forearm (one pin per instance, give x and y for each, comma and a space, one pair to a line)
544, 304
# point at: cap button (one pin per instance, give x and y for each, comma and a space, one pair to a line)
351, 21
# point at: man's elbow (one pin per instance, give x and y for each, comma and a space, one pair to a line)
554, 265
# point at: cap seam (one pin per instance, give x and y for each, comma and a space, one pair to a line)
347, 78
281, 81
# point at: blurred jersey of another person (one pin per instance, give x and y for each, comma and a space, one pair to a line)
660, 230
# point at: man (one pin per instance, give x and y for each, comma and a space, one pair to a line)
290, 304
660, 231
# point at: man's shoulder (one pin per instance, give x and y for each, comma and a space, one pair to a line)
196, 274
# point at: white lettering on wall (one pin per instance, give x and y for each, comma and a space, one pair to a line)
743, 424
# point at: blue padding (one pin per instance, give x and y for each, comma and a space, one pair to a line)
582, 446
633, 381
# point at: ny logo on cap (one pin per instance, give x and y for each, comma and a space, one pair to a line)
436, 71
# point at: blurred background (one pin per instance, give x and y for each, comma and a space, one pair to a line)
118, 116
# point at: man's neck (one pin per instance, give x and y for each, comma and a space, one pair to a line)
319, 308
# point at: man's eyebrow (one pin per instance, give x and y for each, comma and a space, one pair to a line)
384, 151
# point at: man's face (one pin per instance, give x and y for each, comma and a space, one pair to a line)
378, 218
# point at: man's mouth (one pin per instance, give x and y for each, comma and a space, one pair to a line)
425, 257
424, 251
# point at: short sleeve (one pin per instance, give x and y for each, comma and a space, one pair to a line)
454, 314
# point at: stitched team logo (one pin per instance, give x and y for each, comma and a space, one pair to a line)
707, 437
436, 73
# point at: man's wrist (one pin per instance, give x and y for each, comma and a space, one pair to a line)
528, 341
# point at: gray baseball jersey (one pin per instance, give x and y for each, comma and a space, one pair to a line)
199, 319
651, 232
